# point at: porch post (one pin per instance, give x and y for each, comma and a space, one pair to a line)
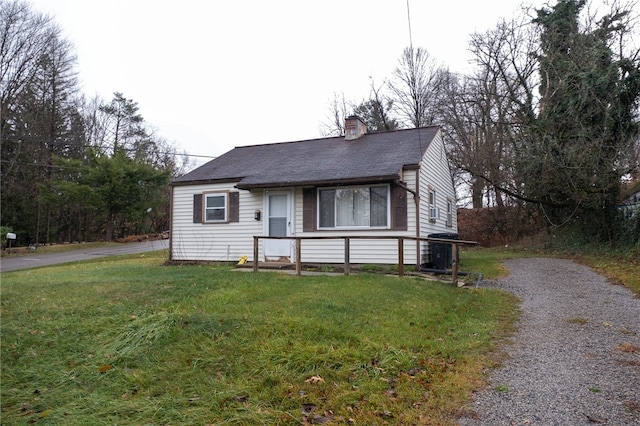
454, 264
400, 257
298, 257
347, 266
255, 253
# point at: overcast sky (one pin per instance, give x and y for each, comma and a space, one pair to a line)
210, 75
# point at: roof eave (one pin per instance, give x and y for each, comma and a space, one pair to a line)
325, 182
204, 181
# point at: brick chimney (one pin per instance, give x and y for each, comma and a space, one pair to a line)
354, 127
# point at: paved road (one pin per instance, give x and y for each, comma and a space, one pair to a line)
34, 260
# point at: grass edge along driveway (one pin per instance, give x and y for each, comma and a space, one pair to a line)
128, 341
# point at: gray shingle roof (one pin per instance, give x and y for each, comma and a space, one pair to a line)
372, 157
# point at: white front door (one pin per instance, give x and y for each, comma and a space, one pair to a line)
278, 224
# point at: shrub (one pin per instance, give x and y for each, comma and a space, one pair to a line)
4, 230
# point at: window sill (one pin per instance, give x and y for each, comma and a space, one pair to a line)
363, 229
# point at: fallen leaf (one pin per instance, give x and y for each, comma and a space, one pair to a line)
105, 368
628, 347
318, 419
314, 380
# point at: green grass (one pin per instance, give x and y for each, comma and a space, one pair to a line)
488, 261
621, 268
578, 320
54, 248
127, 341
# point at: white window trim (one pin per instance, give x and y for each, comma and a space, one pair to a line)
433, 209
206, 195
449, 222
325, 228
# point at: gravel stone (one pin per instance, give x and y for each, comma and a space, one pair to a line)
575, 357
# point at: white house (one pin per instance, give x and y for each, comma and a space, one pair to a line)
395, 183
632, 197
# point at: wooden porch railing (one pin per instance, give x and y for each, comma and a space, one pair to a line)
298, 241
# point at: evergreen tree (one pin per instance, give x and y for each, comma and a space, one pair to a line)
578, 147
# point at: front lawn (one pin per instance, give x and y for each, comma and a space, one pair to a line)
128, 341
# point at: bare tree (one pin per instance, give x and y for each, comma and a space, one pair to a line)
483, 113
338, 111
376, 111
415, 87
37, 112
550, 116
23, 39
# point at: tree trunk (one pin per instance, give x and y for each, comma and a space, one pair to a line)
109, 228
477, 189
499, 200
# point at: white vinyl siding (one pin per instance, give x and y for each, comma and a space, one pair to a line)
224, 242
435, 176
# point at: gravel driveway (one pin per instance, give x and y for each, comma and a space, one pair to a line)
575, 358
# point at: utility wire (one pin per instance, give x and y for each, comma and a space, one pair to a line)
409, 20
63, 143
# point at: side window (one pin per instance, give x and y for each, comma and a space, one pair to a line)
449, 214
433, 211
215, 207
